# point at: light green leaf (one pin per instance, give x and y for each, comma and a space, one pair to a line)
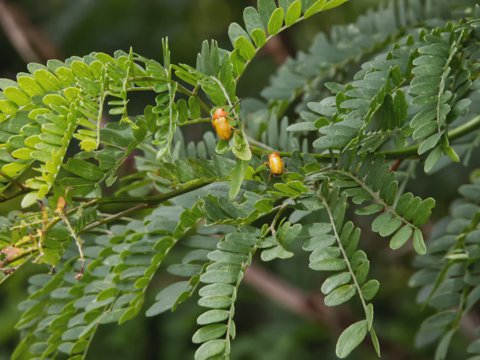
252, 19
333, 4
335, 281
370, 289
443, 345
315, 8
238, 175
419, 243
385, 224
432, 159
451, 153
429, 143
246, 48
276, 21
276, 252
302, 126
167, 298
423, 211
216, 290
370, 313
329, 265
340, 295
375, 342
212, 316
401, 237
259, 37
240, 146
293, 13
222, 147
209, 332
215, 302
350, 338
210, 349
266, 9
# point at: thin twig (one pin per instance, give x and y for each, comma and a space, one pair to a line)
396, 164
113, 217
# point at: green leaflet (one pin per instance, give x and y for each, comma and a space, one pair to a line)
116, 299
333, 247
268, 17
276, 246
433, 71
293, 12
446, 275
276, 21
222, 279
388, 105
324, 55
238, 176
193, 265
400, 215
367, 104
71, 103
351, 338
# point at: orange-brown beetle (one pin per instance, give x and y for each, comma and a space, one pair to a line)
275, 163
219, 113
221, 124
61, 204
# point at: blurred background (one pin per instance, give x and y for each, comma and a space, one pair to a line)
268, 328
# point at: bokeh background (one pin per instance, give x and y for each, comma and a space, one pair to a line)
267, 330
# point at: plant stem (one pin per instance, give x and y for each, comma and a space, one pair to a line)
336, 233
258, 144
145, 202
376, 197
406, 152
151, 200
196, 121
113, 217
458, 132
261, 149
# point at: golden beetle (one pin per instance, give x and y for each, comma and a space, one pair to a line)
275, 163
221, 125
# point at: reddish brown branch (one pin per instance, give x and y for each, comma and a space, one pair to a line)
291, 298
278, 50
396, 164
312, 307
30, 42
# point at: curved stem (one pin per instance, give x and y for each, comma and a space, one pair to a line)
145, 202
151, 200
406, 152
376, 197
412, 151
258, 144
196, 121
113, 217
336, 233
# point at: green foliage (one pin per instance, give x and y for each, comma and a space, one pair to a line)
402, 214
334, 248
222, 279
448, 274
434, 73
204, 208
